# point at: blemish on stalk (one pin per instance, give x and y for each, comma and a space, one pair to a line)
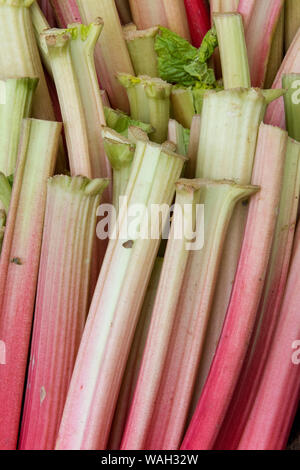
16, 261
246, 203
128, 244
42, 395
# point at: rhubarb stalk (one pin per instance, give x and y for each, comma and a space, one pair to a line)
111, 54
19, 266
247, 290
149, 102
224, 6
291, 64
277, 398
48, 12
120, 152
260, 19
135, 359
198, 19
291, 83
40, 23
292, 21
233, 52
124, 11
219, 199
217, 159
270, 305
16, 99
141, 46
18, 41
192, 154
168, 13
179, 135
66, 12
117, 301
61, 305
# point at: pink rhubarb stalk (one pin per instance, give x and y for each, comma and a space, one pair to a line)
66, 12
168, 13
48, 11
275, 114
61, 304
247, 290
111, 53
134, 361
198, 18
117, 302
270, 304
19, 266
277, 398
260, 21
219, 199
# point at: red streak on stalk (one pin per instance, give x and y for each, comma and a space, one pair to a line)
247, 290
258, 352
275, 114
66, 12
198, 18
47, 9
277, 399
260, 21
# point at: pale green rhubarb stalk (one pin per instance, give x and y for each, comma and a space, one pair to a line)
192, 154
179, 135
71, 56
18, 41
248, 286
291, 64
134, 361
291, 83
61, 305
141, 46
40, 23
5, 192
277, 398
120, 152
219, 199
168, 13
270, 304
149, 102
117, 301
183, 109
260, 20
111, 54
120, 122
292, 21
16, 100
233, 52
19, 266
230, 156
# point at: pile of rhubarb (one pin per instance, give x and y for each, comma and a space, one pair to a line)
188, 336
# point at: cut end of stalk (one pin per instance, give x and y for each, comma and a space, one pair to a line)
198, 183
136, 133
80, 184
119, 154
83, 32
56, 38
132, 33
